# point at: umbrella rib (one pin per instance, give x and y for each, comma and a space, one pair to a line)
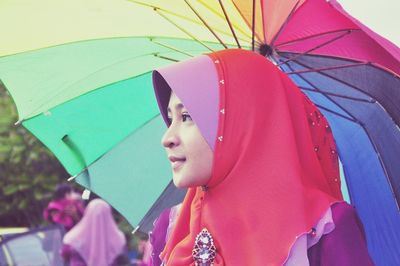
159, 201
165, 11
282, 27
171, 47
257, 38
165, 57
253, 25
68, 86
220, 16
338, 95
186, 18
366, 132
325, 68
66, 139
182, 29
316, 35
326, 96
316, 47
378, 154
362, 125
335, 113
206, 24
229, 23
246, 34
347, 84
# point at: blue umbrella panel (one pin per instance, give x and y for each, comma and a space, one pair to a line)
361, 103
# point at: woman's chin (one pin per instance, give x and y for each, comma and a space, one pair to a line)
178, 182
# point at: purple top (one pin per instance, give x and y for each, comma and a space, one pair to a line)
158, 236
346, 245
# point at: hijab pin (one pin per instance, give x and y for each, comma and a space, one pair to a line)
216, 61
222, 81
222, 111
220, 138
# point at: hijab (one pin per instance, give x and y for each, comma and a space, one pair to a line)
96, 237
275, 169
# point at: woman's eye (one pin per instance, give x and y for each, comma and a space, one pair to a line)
186, 117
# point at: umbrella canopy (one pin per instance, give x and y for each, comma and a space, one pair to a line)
88, 95
92, 104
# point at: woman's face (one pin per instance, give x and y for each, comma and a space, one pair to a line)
190, 156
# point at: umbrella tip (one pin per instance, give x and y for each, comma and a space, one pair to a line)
71, 178
86, 194
135, 230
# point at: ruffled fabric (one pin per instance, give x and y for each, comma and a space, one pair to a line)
298, 255
345, 245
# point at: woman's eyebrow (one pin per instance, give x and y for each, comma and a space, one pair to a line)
179, 106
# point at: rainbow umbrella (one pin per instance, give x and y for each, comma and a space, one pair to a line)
80, 77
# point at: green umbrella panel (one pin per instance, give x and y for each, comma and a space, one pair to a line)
89, 95
85, 99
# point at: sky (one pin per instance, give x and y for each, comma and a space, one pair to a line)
381, 16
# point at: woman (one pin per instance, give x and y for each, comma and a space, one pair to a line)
96, 239
261, 167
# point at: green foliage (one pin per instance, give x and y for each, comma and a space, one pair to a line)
28, 171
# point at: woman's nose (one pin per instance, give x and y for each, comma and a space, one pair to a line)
170, 137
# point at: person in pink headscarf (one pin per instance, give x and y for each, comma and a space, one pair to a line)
66, 209
96, 239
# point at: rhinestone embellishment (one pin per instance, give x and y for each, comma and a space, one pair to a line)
204, 251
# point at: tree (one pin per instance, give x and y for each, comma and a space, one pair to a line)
28, 171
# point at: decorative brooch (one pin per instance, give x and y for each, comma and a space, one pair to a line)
204, 251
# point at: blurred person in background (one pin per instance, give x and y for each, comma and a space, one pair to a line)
96, 239
66, 208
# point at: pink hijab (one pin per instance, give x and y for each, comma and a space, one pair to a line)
96, 237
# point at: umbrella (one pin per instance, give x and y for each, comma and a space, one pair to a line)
351, 73
97, 113
83, 87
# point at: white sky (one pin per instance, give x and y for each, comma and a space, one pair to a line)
382, 16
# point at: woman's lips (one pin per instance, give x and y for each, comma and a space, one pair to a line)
176, 165
176, 162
